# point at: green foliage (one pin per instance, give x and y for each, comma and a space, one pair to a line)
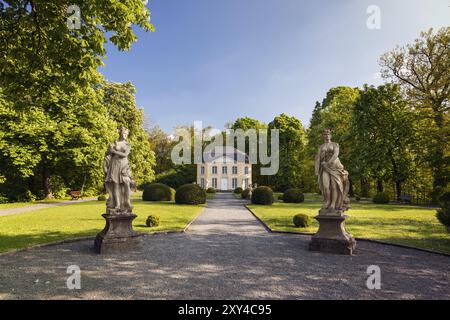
291, 152
210, 190
101, 197
245, 194
301, 220
293, 196
190, 194
178, 176
157, 192
152, 221
162, 146
3, 199
121, 102
262, 195
383, 129
238, 190
381, 198
421, 68
54, 120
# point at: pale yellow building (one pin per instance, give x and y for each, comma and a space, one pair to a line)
225, 171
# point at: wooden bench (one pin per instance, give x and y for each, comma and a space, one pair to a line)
75, 194
405, 198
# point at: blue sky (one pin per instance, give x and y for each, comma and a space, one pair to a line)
214, 61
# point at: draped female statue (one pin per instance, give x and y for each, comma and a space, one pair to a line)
118, 174
333, 179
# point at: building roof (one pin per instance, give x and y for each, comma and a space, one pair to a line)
228, 152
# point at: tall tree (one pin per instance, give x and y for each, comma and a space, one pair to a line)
292, 152
383, 127
162, 145
245, 124
50, 81
422, 69
121, 103
335, 113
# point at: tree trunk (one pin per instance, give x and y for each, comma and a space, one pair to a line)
46, 185
440, 169
365, 188
380, 186
351, 192
398, 189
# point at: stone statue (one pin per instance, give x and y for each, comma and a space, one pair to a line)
333, 179
333, 182
118, 175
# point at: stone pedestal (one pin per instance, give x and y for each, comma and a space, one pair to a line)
118, 234
332, 236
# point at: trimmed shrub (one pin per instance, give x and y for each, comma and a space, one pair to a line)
4, 199
211, 190
245, 193
238, 190
443, 214
152, 221
101, 197
293, 196
190, 194
178, 176
157, 192
381, 198
262, 195
301, 220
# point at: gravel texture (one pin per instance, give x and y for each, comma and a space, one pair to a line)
225, 254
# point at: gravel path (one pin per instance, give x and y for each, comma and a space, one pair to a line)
38, 206
225, 254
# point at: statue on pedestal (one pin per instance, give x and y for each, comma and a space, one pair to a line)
118, 234
334, 185
333, 179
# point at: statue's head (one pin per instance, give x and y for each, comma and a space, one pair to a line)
123, 132
326, 134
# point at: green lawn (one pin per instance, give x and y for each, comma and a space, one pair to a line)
26, 204
84, 219
400, 224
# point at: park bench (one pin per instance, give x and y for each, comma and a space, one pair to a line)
75, 194
405, 198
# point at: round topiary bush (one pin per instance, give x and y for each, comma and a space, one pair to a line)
238, 190
262, 195
245, 193
211, 190
443, 214
101, 197
157, 192
190, 194
301, 220
381, 198
293, 196
152, 221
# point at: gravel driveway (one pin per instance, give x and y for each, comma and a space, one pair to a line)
225, 254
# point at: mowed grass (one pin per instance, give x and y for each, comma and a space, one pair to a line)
400, 224
83, 220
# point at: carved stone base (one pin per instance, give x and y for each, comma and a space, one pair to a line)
332, 236
118, 234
